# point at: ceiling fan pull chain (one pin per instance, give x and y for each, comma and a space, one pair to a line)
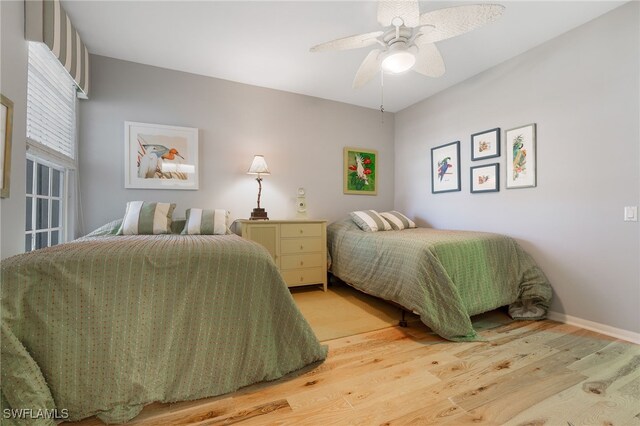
382, 96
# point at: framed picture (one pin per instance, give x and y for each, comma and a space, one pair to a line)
445, 168
6, 127
485, 144
360, 171
520, 144
160, 157
485, 178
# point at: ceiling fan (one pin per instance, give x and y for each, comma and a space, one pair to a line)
407, 40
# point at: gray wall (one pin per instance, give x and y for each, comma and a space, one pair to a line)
582, 90
13, 84
301, 138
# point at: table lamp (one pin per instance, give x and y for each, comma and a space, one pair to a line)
259, 167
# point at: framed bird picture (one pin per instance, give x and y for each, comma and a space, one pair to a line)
485, 144
445, 168
485, 178
520, 145
160, 157
360, 171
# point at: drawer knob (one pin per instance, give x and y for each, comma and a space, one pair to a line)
301, 231
301, 263
301, 247
301, 279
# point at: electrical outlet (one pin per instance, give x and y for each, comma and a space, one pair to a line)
631, 214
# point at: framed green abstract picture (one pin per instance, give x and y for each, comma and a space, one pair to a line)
360, 171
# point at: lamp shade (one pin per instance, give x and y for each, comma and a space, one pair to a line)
398, 62
258, 166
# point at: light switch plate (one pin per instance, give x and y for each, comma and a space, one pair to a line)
631, 214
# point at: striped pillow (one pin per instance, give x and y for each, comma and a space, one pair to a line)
206, 222
142, 218
398, 221
370, 221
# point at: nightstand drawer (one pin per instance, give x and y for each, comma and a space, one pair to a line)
297, 261
292, 230
298, 247
296, 277
301, 245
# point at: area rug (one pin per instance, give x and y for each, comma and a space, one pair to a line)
343, 311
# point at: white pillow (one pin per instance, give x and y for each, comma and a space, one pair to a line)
143, 218
206, 222
397, 220
370, 221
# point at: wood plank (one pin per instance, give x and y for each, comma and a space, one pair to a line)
574, 406
400, 378
500, 401
534, 373
440, 411
616, 399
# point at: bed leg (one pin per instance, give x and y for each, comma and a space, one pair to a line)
403, 321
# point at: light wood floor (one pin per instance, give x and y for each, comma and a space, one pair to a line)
526, 373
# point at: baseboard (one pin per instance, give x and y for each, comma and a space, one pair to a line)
607, 330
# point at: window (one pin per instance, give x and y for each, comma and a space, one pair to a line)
51, 110
45, 205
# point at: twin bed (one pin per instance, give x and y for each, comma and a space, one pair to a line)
443, 276
106, 324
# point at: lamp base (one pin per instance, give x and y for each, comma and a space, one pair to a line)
259, 214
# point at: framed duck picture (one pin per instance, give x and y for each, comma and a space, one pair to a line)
160, 157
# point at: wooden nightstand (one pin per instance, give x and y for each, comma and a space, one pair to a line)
299, 247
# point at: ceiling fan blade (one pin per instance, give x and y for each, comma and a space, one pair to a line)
351, 42
429, 61
407, 10
453, 21
368, 69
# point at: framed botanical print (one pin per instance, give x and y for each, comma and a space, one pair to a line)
6, 127
160, 157
485, 178
520, 144
445, 168
485, 144
360, 171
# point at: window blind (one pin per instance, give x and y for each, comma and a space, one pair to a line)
51, 100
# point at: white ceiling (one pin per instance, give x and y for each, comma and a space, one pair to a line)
266, 43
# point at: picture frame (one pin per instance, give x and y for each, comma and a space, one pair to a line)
485, 178
6, 130
157, 156
485, 144
520, 145
360, 175
445, 168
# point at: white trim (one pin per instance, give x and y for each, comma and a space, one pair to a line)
46, 153
62, 198
607, 330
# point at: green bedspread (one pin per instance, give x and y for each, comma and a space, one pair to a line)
443, 276
104, 325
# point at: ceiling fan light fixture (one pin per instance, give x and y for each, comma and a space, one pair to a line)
398, 62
